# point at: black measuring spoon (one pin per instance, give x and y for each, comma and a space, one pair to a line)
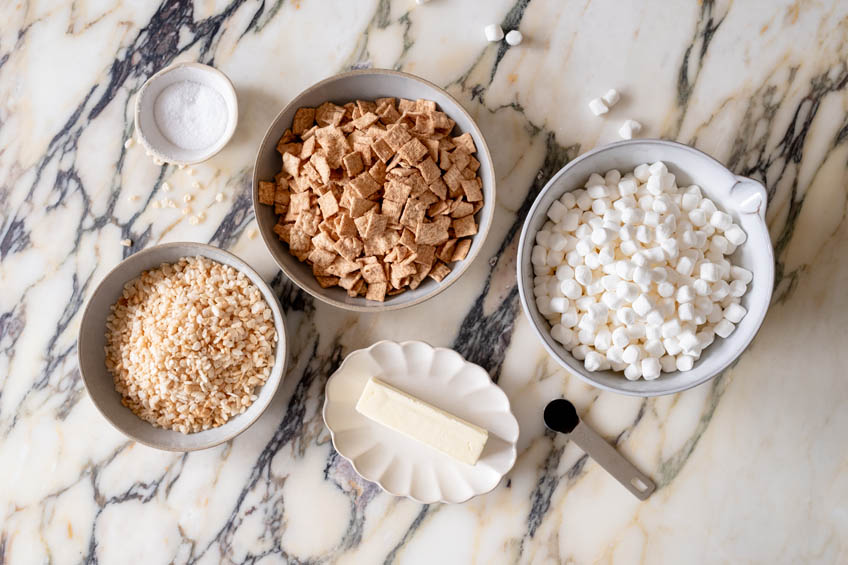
561, 416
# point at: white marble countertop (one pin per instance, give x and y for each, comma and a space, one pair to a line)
752, 467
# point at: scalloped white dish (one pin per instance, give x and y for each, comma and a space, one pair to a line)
402, 466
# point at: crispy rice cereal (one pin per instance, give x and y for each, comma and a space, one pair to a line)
375, 195
188, 343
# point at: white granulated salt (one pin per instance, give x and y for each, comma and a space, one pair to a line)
190, 115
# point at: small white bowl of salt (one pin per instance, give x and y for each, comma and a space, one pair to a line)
186, 113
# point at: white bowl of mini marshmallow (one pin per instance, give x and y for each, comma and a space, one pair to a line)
186, 113
645, 266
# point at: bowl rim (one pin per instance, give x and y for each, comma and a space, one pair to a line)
279, 322
523, 292
487, 212
215, 148
513, 445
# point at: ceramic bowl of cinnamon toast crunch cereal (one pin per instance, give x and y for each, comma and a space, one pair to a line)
373, 190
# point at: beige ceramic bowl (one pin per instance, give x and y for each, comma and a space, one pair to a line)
368, 85
98, 380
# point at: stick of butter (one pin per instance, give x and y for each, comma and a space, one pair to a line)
420, 421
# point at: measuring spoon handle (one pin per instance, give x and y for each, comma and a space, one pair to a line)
612, 461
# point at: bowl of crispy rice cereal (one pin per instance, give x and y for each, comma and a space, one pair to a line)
373, 190
182, 346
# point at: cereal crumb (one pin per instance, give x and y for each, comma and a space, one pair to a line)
190, 171
155, 204
181, 166
129, 143
186, 210
172, 204
195, 185
201, 216
126, 242
166, 187
251, 234
219, 197
188, 198
133, 198
193, 220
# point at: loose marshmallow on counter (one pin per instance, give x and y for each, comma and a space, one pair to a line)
632, 273
493, 32
514, 37
597, 106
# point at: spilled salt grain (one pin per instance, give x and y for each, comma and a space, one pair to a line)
190, 115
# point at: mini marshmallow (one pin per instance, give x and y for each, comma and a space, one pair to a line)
571, 289
562, 334
602, 235
597, 191
557, 211
709, 272
658, 168
685, 362
689, 202
614, 354
672, 346
720, 290
603, 340
606, 255
626, 316
620, 338
568, 200
514, 37
632, 353
670, 329
579, 352
642, 172
627, 186
708, 206
597, 106
627, 291
583, 275
629, 128
633, 372
737, 288
639, 258
612, 177
586, 335
665, 289
611, 97
559, 304
493, 32
686, 312
735, 313
569, 318
741, 274
735, 235
539, 255
573, 258
688, 341
582, 199
641, 276
668, 364
593, 361
685, 293
654, 318
651, 368
642, 305
702, 287
611, 300
654, 348
629, 248
564, 272
720, 220
698, 217
724, 328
